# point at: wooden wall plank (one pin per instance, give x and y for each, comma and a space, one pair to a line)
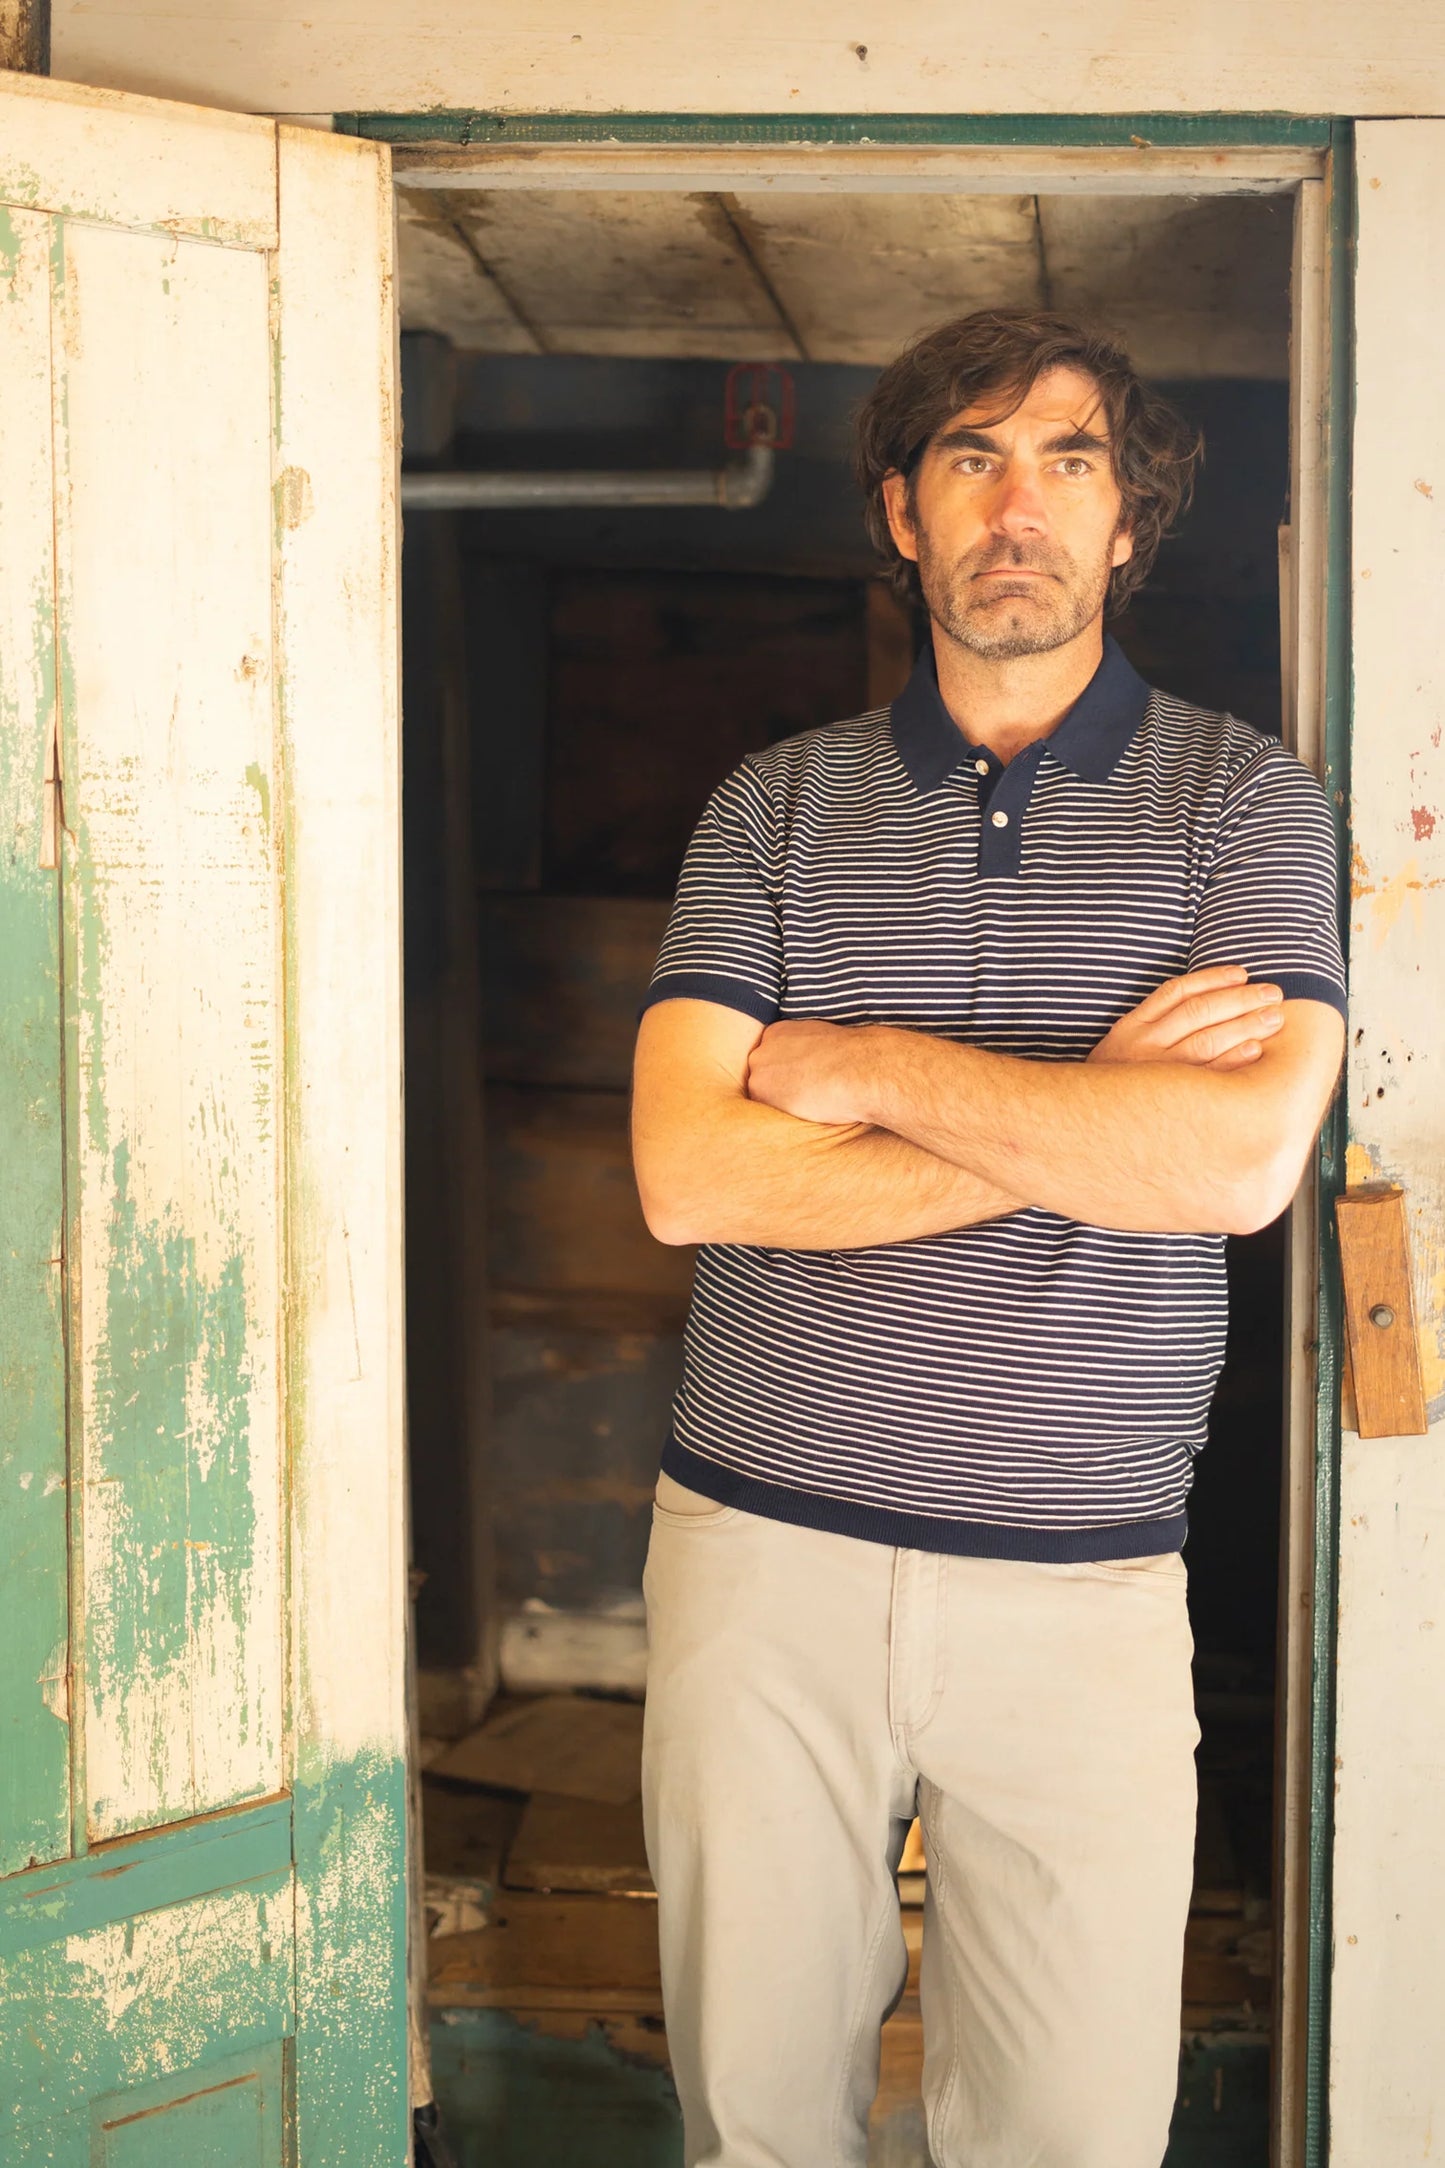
445, 285
633, 273
34, 1651
860, 275
813, 162
505, 612
1194, 288
163, 433
712, 665
1295, 56
562, 1204
337, 454
580, 1419
1386, 2078
562, 978
137, 162
453, 1493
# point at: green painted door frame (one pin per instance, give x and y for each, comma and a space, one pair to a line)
1144, 132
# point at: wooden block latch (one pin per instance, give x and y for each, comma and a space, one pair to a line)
1384, 1346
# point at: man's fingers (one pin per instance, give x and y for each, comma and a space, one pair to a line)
1239, 1057
1216, 1006
1173, 991
1215, 1040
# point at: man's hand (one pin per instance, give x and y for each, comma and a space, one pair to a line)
814, 1070
1210, 1019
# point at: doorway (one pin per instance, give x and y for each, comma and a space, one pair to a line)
569, 311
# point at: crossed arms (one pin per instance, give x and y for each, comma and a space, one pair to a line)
1194, 1115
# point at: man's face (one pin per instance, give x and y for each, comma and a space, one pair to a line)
1015, 524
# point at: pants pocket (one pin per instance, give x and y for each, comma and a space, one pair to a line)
675, 1504
1163, 1566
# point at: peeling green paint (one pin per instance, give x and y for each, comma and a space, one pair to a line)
260, 782
154, 1981
34, 1739
106, 2012
1142, 132
20, 184
168, 1480
126, 2007
9, 250
351, 2047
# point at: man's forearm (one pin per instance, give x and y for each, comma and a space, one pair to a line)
1152, 1146
747, 1173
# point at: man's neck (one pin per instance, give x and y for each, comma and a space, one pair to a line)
1006, 705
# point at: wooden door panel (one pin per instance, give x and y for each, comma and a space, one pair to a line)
34, 1703
163, 443
148, 2004
138, 162
202, 1954
224, 2115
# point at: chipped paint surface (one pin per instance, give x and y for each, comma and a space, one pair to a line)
1387, 2082
34, 1747
170, 892
343, 1027
351, 1934
338, 621
211, 1667
135, 2001
132, 162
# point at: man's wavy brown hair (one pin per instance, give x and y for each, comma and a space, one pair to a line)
962, 363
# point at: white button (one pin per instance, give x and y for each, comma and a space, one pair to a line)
981, 767
1000, 820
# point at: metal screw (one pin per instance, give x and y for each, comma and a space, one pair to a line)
1382, 1315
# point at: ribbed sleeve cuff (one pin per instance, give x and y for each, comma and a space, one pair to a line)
711, 986
1305, 986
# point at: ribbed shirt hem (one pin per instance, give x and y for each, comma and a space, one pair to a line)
920, 1531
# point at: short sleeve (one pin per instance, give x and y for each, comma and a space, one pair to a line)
724, 941
1271, 896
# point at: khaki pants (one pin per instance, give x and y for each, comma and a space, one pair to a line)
805, 1692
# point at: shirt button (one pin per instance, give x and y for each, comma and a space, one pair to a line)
981, 767
1000, 820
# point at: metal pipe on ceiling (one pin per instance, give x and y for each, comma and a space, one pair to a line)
737, 487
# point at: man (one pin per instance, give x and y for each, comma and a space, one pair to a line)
978, 1024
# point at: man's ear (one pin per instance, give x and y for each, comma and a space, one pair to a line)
897, 504
1123, 546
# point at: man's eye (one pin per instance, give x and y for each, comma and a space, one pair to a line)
973, 463
1076, 466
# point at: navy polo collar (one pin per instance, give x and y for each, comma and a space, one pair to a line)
1092, 738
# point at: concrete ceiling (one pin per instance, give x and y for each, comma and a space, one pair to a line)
1195, 288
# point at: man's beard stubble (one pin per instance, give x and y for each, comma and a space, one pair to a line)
1049, 615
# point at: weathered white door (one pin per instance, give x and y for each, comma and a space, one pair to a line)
202, 1911
1387, 2091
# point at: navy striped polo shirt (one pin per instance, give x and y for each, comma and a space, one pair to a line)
1032, 1387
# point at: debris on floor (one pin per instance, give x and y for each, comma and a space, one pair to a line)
579, 1844
568, 1743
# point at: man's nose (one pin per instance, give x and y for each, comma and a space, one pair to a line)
1018, 506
